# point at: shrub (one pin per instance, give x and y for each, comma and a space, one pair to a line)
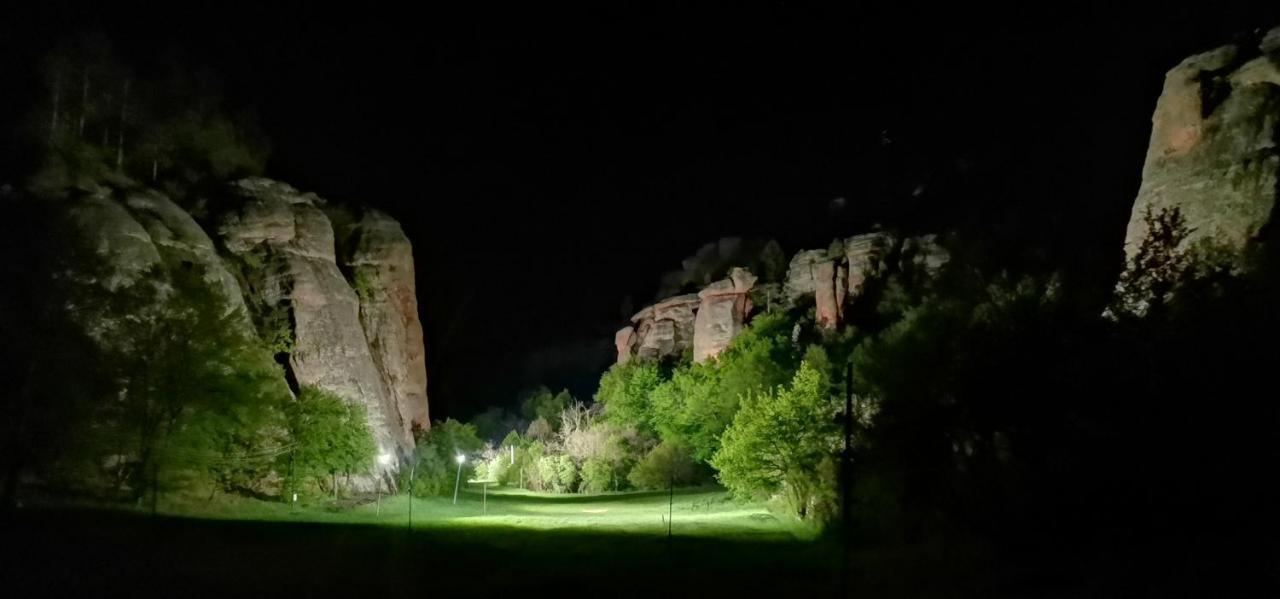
668, 464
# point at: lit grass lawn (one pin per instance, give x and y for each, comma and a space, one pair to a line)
707, 512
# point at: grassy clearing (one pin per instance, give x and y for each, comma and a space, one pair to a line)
489, 544
707, 512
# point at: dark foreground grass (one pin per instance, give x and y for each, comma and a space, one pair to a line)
96, 553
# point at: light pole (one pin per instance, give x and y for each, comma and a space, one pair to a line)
458, 481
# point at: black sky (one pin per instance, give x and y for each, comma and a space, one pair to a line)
547, 166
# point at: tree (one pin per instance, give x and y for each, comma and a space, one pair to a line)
778, 443
700, 401
625, 391
567, 474
1159, 265
667, 464
436, 453
329, 435
192, 393
541, 403
598, 476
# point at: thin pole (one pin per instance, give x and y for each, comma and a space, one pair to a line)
456, 482
846, 480
413, 475
671, 501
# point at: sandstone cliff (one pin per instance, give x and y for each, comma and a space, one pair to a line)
831, 280
348, 311
1213, 152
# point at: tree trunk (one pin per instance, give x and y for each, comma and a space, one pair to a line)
84, 103
57, 97
124, 103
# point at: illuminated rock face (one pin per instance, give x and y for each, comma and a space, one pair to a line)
836, 276
141, 237
662, 330
378, 258
832, 279
1213, 150
722, 312
362, 342
350, 299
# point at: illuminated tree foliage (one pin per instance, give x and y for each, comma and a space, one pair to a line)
782, 442
330, 437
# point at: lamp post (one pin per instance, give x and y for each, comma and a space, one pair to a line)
458, 481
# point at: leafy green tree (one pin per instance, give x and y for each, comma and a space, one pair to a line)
598, 476
547, 470
625, 391
193, 396
436, 457
567, 474
699, 402
665, 465
541, 403
779, 441
330, 436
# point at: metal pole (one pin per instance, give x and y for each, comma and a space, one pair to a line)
413, 475
456, 482
671, 501
846, 479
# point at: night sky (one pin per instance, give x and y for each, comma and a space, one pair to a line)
550, 166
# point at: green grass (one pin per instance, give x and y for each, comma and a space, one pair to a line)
508, 541
706, 512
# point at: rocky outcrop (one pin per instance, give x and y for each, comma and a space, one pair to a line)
344, 321
662, 330
838, 274
1213, 152
142, 238
722, 312
285, 240
379, 259
831, 280
180, 240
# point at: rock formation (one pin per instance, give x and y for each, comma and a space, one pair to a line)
832, 279
662, 330
379, 259
351, 325
1213, 151
837, 275
722, 312
285, 235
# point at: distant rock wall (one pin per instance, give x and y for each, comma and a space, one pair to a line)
832, 279
1214, 152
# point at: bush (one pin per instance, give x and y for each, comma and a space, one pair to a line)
597, 476
436, 468
668, 464
567, 474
